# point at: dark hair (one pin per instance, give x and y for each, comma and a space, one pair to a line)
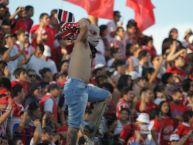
147, 71
143, 90
160, 106
126, 90
125, 109
102, 28
166, 44
28, 7
131, 23
142, 54
186, 85
172, 30
123, 81
115, 13
144, 40
18, 71
187, 116
53, 12
6, 22
3, 64
57, 75
5, 83
107, 86
41, 47
65, 61
44, 71
166, 77
118, 63
42, 15
16, 89
53, 87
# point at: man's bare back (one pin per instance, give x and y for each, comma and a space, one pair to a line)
80, 63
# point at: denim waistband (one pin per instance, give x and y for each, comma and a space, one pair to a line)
77, 80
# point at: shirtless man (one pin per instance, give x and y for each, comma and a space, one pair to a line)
77, 90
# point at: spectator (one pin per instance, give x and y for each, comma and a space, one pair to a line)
145, 104
29, 12
37, 59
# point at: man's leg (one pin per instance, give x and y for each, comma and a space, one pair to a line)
76, 98
102, 98
72, 136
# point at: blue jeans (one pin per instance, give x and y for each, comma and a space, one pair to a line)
77, 94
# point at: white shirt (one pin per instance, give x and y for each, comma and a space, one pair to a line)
100, 58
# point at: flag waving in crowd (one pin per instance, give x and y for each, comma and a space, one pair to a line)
143, 10
97, 8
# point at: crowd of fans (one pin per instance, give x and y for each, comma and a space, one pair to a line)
152, 94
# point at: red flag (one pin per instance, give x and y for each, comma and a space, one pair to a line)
97, 8
144, 15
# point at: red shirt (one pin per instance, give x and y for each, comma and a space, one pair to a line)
18, 108
165, 127
20, 24
177, 109
184, 129
121, 104
177, 71
25, 85
51, 36
127, 132
149, 107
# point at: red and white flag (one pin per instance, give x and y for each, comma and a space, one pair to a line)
144, 15
97, 8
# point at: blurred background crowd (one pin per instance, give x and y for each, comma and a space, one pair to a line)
152, 94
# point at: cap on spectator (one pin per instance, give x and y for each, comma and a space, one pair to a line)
174, 137
98, 66
8, 35
144, 118
47, 51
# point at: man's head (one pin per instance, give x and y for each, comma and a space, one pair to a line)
147, 94
21, 36
29, 10
54, 90
17, 92
44, 19
9, 39
93, 35
21, 74
177, 95
131, 26
120, 32
128, 94
116, 16
46, 74
173, 33
143, 56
